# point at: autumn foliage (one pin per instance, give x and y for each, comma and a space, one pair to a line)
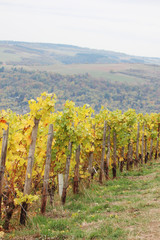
83, 143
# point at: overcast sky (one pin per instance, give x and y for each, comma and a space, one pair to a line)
129, 26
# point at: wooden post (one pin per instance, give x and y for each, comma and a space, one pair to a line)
27, 185
108, 153
76, 172
151, 147
142, 148
90, 161
157, 144
3, 163
101, 175
60, 183
47, 169
137, 146
114, 154
128, 156
122, 162
131, 154
145, 149
64, 194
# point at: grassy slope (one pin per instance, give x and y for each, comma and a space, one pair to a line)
38, 53
126, 208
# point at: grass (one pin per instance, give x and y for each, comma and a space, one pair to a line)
124, 208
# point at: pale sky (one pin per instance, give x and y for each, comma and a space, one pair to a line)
129, 26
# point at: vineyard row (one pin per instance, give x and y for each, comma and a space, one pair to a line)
75, 142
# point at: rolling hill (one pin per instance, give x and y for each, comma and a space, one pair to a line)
23, 53
96, 77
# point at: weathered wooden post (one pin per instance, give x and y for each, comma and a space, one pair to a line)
102, 174
27, 185
47, 169
3, 163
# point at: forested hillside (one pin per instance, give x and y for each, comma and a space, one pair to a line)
114, 91
96, 77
